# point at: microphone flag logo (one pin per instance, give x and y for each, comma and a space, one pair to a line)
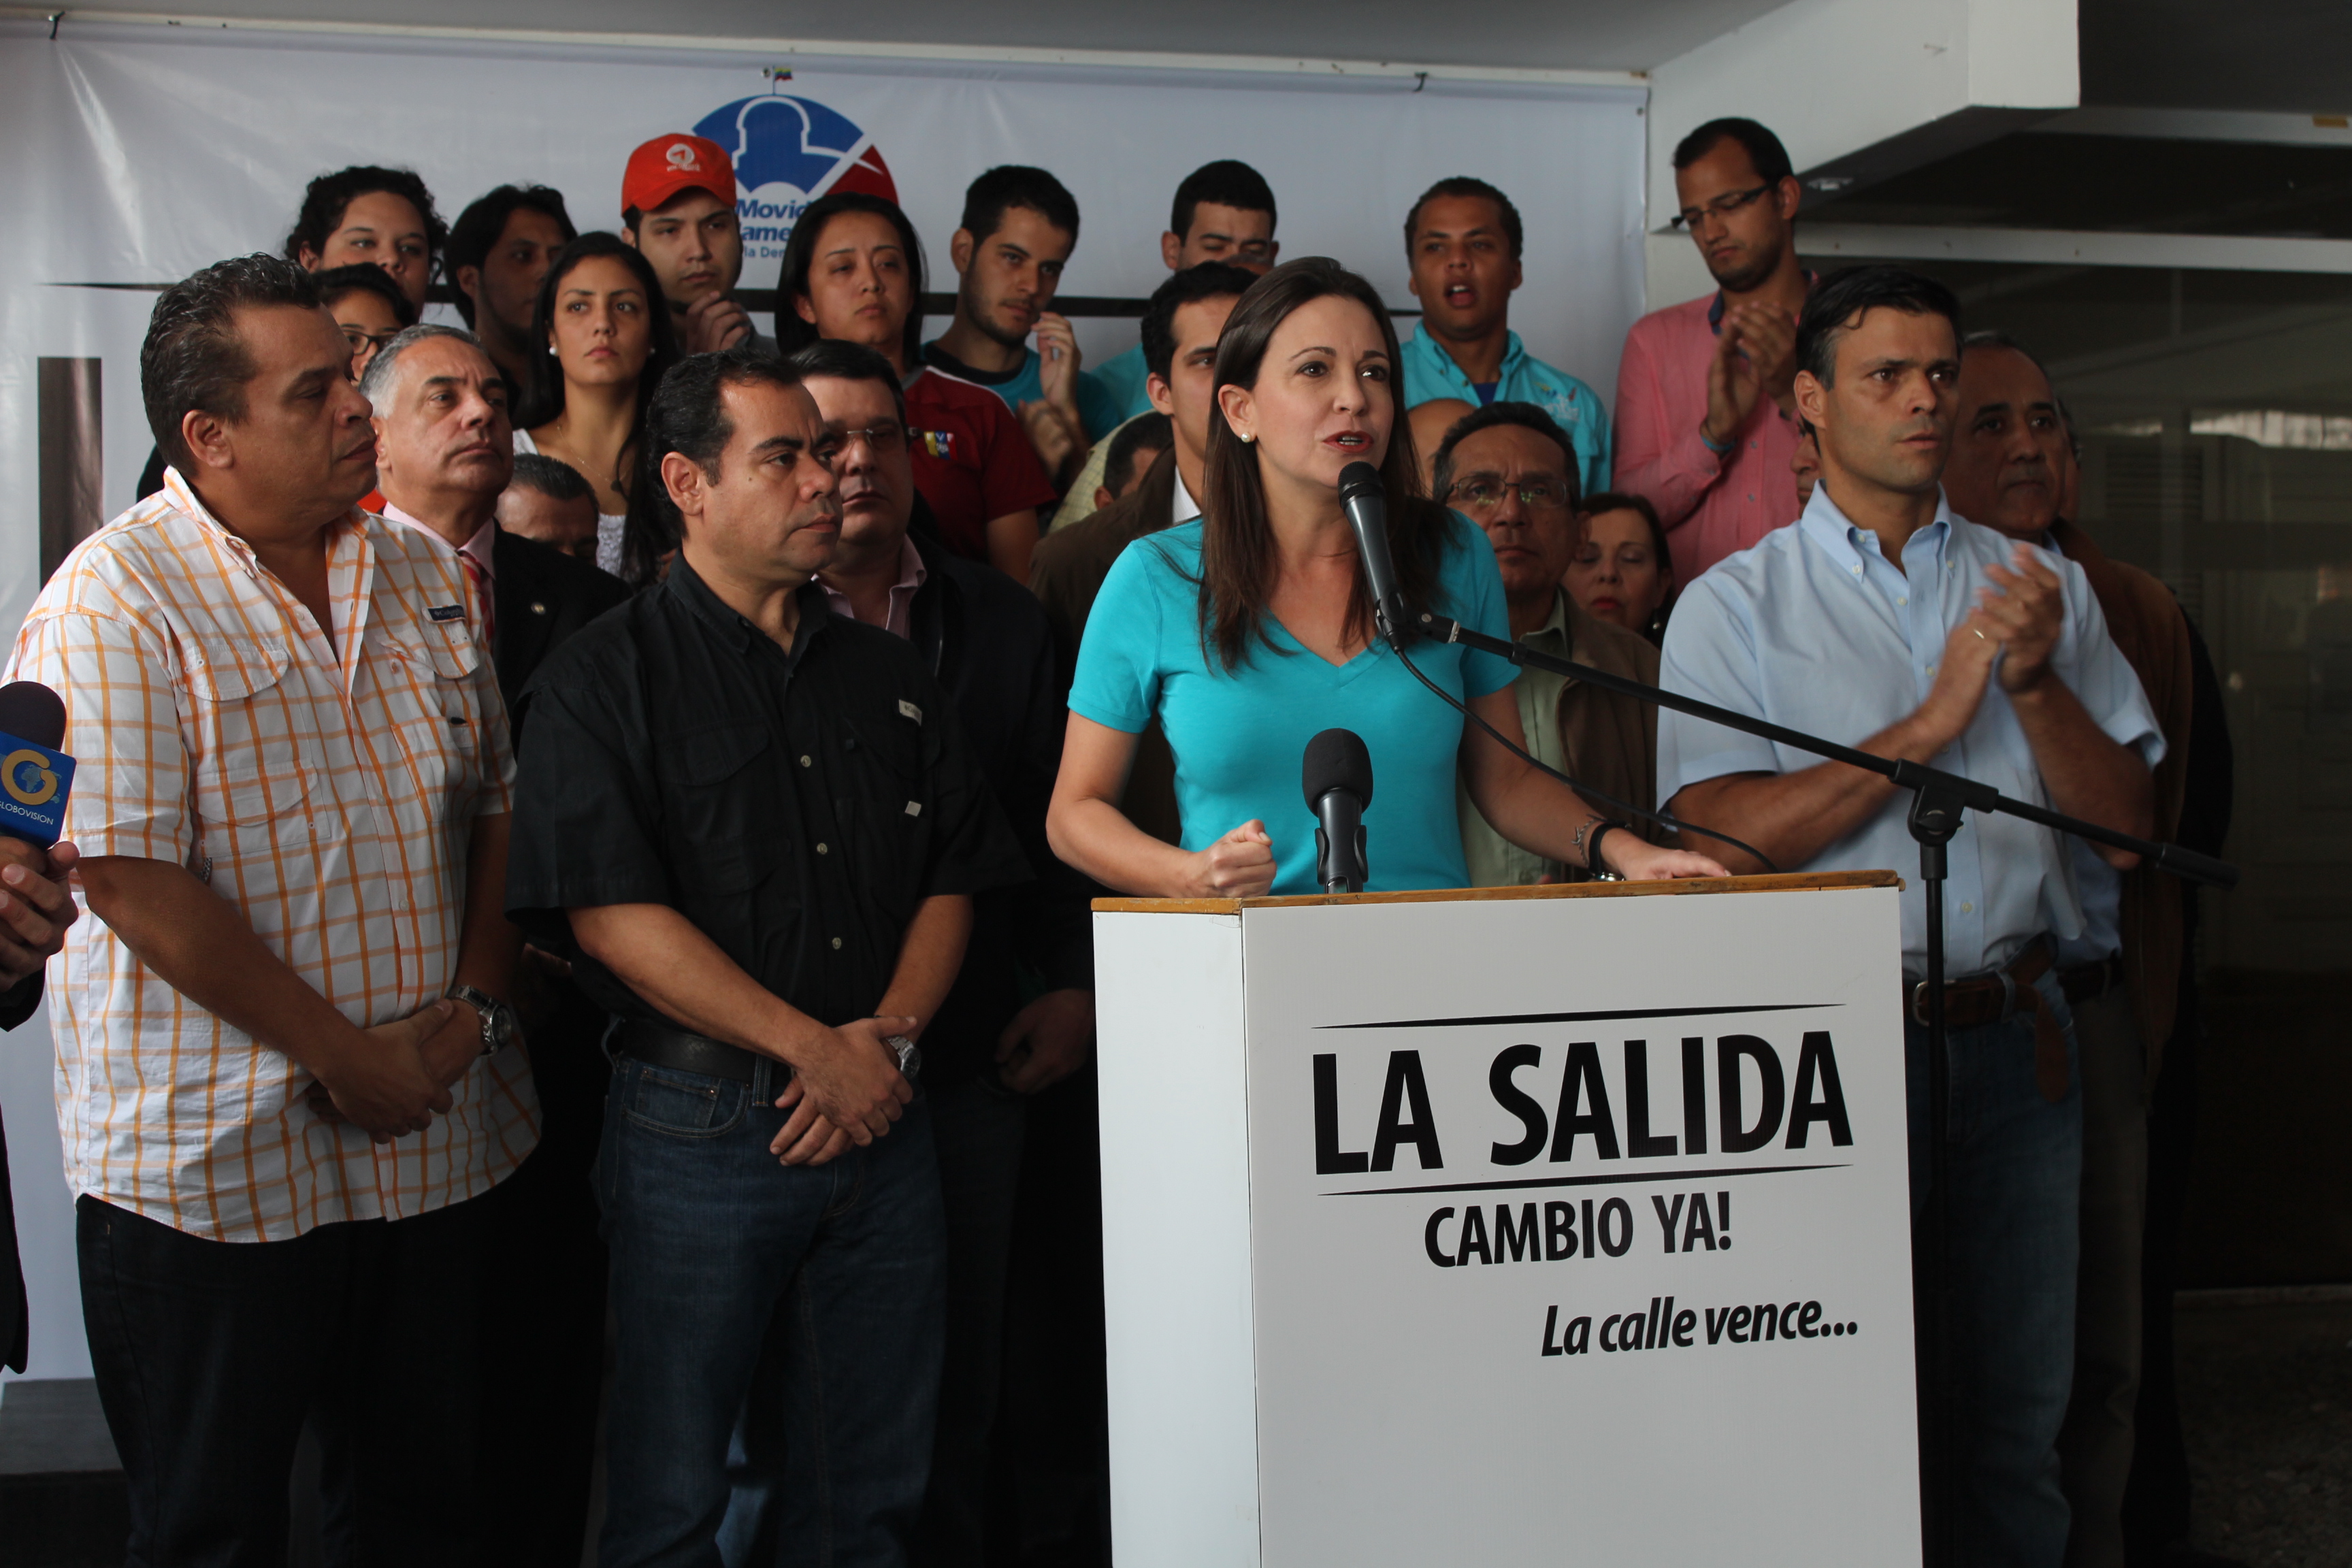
34, 784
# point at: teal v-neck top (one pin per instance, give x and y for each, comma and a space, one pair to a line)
1239, 737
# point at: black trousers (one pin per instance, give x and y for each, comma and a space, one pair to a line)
544, 1369
210, 1356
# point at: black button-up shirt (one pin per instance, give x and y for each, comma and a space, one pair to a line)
796, 807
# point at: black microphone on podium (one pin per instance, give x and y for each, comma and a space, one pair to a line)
1338, 776
1366, 502
35, 777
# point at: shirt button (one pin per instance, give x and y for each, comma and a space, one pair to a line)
836, 944
806, 763
1965, 909
823, 850
1901, 600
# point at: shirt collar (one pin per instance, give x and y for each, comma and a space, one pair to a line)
686, 586
1854, 546
1182, 507
482, 547
1433, 351
239, 554
912, 575
1552, 636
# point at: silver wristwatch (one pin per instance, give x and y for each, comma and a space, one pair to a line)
500, 1028
910, 1055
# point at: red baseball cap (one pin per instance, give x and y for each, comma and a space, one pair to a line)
668, 164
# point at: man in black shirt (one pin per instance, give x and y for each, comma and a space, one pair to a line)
758, 828
988, 642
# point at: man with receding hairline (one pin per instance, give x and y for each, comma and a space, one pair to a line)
1884, 621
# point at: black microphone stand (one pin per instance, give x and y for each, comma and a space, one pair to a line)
1938, 801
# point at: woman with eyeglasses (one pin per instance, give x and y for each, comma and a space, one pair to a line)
1249, 631
853, 272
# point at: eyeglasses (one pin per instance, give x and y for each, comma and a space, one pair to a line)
359, 338
1722, 206
878, 438
1485, 495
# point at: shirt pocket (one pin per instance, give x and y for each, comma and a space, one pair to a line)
435, 707
724, 826
886, 810
256, 749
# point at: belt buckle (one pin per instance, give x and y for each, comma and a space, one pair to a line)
1919, 1003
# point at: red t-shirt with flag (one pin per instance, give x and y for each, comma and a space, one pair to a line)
973, 460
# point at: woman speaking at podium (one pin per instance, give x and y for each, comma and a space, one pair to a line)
1250, 630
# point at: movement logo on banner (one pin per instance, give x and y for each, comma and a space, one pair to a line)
787, 152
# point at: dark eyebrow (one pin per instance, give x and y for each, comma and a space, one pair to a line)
1316, 349
775, 446
321, 372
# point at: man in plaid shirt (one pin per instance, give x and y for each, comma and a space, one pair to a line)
284, 1065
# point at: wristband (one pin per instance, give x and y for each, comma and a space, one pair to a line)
1594, 864
1722, 451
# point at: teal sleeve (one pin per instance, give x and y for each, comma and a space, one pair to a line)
1597, 458
1474, 581
1117, 679
1098, 406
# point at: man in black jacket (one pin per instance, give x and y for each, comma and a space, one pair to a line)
444, 451
1020, 1015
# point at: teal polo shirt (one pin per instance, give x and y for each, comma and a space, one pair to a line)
1431, 373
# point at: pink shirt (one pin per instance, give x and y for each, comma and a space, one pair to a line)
1713, 505
900, 620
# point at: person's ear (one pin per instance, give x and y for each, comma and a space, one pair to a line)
1103, 497
1240, 410
1812, 399
376, 423
1163, 398
1272, 253
629, 235
1172, 249
961, 246
803, 309
306, 258
208, 439
469, 279
1412, 280
1786, 193
687, 484
1519, 274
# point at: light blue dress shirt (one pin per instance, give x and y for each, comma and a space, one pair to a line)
1239, 736
1815, 629
1431, 373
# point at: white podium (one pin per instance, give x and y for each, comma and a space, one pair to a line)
1509, 1226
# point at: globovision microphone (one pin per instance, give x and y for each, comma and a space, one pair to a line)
1338, 776
35, 777
1366, 501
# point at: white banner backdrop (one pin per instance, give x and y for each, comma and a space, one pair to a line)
140, 153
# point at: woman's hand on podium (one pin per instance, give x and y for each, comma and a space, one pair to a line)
1238, 866
1639, 860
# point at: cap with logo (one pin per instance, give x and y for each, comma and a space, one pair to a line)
666, 165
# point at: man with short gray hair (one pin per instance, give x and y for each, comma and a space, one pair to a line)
444, 451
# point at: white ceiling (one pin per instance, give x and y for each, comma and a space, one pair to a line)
1589, 34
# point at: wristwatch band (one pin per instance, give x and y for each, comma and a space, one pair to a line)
910, 1055
1592, 861
497, 1018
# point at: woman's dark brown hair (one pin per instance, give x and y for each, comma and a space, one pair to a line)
1239, 560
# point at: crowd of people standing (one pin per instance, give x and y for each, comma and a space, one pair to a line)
588, 819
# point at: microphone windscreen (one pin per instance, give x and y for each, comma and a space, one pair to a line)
1361, 478
1337, 759
31, 711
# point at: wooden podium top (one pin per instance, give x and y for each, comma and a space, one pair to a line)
1798, 881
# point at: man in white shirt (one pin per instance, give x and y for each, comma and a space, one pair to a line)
1883, 621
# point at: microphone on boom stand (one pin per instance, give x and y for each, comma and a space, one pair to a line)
1337, 777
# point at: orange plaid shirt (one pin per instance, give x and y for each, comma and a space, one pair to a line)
327, 791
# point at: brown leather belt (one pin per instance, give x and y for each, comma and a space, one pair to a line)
1983, 999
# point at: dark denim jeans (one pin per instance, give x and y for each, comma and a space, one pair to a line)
2016, 1168
210, 1356
722, 1258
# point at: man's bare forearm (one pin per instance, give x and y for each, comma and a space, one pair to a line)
201, 946
489, 943
664, 958
2087, 773
928, 957
1792, 817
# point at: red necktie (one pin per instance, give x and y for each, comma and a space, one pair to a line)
479, 576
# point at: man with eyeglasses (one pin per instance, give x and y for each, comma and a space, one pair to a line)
1705, 419
1463, 239
1511, 469
987, 1050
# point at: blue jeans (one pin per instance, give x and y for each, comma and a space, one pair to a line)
722, 1259
2015, 1162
